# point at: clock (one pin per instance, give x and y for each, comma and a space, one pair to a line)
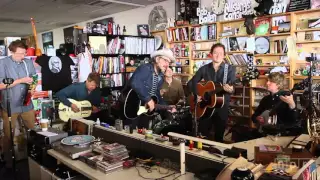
262, 45
218, 6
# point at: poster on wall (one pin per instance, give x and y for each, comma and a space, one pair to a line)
234, 9
47, 40
143, 29
68, 34
158, 19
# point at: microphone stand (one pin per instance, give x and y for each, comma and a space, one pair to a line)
12, 150
195, 122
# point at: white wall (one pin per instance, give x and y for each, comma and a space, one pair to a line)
131, 18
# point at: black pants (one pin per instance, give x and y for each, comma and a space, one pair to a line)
219, 126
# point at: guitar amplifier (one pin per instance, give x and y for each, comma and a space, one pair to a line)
82, 126
46, 137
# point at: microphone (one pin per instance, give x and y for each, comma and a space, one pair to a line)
7, 81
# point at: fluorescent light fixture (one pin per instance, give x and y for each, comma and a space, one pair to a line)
125, 3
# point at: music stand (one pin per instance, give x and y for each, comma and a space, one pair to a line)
8, 82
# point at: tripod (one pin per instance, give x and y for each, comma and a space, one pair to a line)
8, 82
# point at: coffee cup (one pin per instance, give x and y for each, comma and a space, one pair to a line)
44, 124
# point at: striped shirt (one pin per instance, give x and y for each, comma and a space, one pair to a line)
155, 80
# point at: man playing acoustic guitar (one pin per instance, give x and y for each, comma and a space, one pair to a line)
88, 90
218, 72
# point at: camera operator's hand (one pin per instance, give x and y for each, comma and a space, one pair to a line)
289, 100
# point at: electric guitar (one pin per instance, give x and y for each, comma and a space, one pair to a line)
212, 97
134, 107
270, 112
66, 113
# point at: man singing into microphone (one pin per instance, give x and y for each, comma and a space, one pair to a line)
20, 70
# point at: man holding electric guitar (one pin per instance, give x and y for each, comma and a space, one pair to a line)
83, 98
217, 75
280, 102
142, 94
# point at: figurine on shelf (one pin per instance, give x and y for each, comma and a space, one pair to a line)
191, 144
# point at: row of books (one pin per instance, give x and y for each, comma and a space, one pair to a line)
137, 45
237, 59
179, 34
108, 65
205, 32
280, 46
112, 80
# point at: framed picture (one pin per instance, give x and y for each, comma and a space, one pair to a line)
143, 29
47, 40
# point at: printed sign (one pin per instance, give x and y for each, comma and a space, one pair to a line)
235, 10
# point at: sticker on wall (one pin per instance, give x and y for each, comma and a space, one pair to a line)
206, 16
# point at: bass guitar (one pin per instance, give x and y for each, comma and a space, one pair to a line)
134, 107
66, 113
212, 97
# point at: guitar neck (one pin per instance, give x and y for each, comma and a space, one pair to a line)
160, 107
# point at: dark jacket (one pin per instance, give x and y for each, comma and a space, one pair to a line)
285, 115
207, 73
141, 82
79, 92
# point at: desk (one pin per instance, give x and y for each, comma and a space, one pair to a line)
125, 174
269, 140
199, 153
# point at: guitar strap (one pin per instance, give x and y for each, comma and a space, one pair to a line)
225, 73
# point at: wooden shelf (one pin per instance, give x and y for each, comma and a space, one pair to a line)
307, 30
304, 77
201, 50
307, 42
200, 41
178, 41
271, 54
281, 65
182, 58
198, 25
293, 17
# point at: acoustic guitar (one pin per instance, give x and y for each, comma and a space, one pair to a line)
134, 107
212, 95
66, 113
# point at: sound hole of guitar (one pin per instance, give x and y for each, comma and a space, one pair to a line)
206, 99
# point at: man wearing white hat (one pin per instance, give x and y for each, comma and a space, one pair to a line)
147, 79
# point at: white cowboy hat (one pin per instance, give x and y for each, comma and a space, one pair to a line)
164, 53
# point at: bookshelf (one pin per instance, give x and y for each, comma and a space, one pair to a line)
112, 56
292, 59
